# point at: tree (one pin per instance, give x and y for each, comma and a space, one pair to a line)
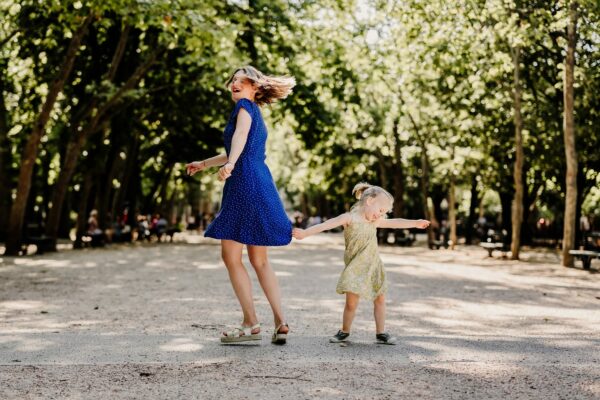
569, 138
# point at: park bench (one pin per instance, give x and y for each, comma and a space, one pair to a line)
34, 234
585, 256
491, 246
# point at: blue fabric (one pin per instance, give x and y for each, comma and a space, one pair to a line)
251, 210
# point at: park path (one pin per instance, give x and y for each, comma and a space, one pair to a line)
142, 321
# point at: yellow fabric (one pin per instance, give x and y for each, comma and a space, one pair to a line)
364, 273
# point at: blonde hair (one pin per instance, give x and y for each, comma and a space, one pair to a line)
269, 88
362, 191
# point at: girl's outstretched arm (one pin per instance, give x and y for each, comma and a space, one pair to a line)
325, 226
400, 223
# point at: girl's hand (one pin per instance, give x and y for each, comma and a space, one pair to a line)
422, 224
298, 233
194, 167
225, 171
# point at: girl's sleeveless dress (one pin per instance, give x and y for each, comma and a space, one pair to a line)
364, 273
251, 210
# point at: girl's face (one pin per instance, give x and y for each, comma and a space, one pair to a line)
376, 208
241, 87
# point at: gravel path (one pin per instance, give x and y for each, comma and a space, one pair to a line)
142, 321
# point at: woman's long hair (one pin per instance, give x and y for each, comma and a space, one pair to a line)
269, 88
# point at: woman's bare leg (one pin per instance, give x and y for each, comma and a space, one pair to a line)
349, 311
231, 252
268, 282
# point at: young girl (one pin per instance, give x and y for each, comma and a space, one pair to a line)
364, 275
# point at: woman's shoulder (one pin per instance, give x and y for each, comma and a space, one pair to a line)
248, 104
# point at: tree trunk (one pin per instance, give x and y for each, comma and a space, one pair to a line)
425, 194
125, 178
398, 176
569, 137
82, 213
29, 155
517, 204
5, 164
452, 211
472, 206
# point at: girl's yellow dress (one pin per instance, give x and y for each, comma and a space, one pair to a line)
364, 273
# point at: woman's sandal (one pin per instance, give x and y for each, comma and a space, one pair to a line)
280, 338
241, 334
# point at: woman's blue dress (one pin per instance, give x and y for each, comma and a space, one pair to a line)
251, 210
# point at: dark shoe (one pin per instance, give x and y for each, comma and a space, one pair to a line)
339, 337
385, 338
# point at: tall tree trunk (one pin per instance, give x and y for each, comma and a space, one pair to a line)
569, 137
452, 211
517, 205
425, 194
398, 176
82, 212
5, 164
79, 139
472, 215
125, 178
29, 155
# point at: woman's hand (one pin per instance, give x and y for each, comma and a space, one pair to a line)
299, 233
225, 171
422, 223
195, 166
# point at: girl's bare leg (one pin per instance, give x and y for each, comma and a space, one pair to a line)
231, 252
268, 282
379, 312
349, 311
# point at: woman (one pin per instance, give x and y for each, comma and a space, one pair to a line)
252, 213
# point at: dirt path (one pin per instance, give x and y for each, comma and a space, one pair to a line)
143, 322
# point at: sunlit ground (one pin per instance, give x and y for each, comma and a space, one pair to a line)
143, 320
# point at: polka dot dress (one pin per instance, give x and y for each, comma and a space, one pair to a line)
251, 210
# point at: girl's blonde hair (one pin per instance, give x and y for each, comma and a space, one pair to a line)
268, 88
363, 191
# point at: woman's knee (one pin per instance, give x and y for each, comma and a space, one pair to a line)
259, 263
231, 260
379, 300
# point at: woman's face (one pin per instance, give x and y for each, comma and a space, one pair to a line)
241, 87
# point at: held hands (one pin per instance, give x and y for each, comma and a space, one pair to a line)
299, 233
225, 171
422, 223
194, 167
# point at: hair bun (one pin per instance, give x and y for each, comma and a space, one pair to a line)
359, 189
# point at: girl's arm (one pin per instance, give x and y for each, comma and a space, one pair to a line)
399, 223
332, 223
238, 142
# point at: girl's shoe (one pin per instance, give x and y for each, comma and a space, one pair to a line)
280, 338
241, 334
339, 337
385, 338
